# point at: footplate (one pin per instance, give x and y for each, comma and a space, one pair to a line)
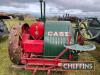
78, 47
39, 64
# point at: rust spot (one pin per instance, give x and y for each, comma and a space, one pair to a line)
14, 28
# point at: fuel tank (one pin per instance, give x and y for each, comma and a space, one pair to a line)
37, 30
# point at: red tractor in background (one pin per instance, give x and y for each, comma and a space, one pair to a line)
45, 45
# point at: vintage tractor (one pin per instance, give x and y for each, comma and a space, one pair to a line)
3, 27
45, 45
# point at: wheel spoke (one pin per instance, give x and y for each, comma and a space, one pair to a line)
88, 32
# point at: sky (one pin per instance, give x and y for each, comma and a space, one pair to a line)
53, 7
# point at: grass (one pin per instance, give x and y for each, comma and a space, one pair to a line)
11, 22
5, 63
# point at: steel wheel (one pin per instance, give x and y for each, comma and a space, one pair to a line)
14, 49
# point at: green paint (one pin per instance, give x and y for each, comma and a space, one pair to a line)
54, 45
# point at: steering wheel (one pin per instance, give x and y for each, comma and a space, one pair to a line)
88, 32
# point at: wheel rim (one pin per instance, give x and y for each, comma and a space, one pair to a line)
14, 49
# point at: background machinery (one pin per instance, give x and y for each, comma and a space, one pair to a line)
3, 26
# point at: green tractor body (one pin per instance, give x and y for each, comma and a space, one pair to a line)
55, 37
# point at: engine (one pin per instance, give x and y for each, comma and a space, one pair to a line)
49, 40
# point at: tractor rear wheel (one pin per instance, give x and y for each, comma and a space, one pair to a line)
14, 48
